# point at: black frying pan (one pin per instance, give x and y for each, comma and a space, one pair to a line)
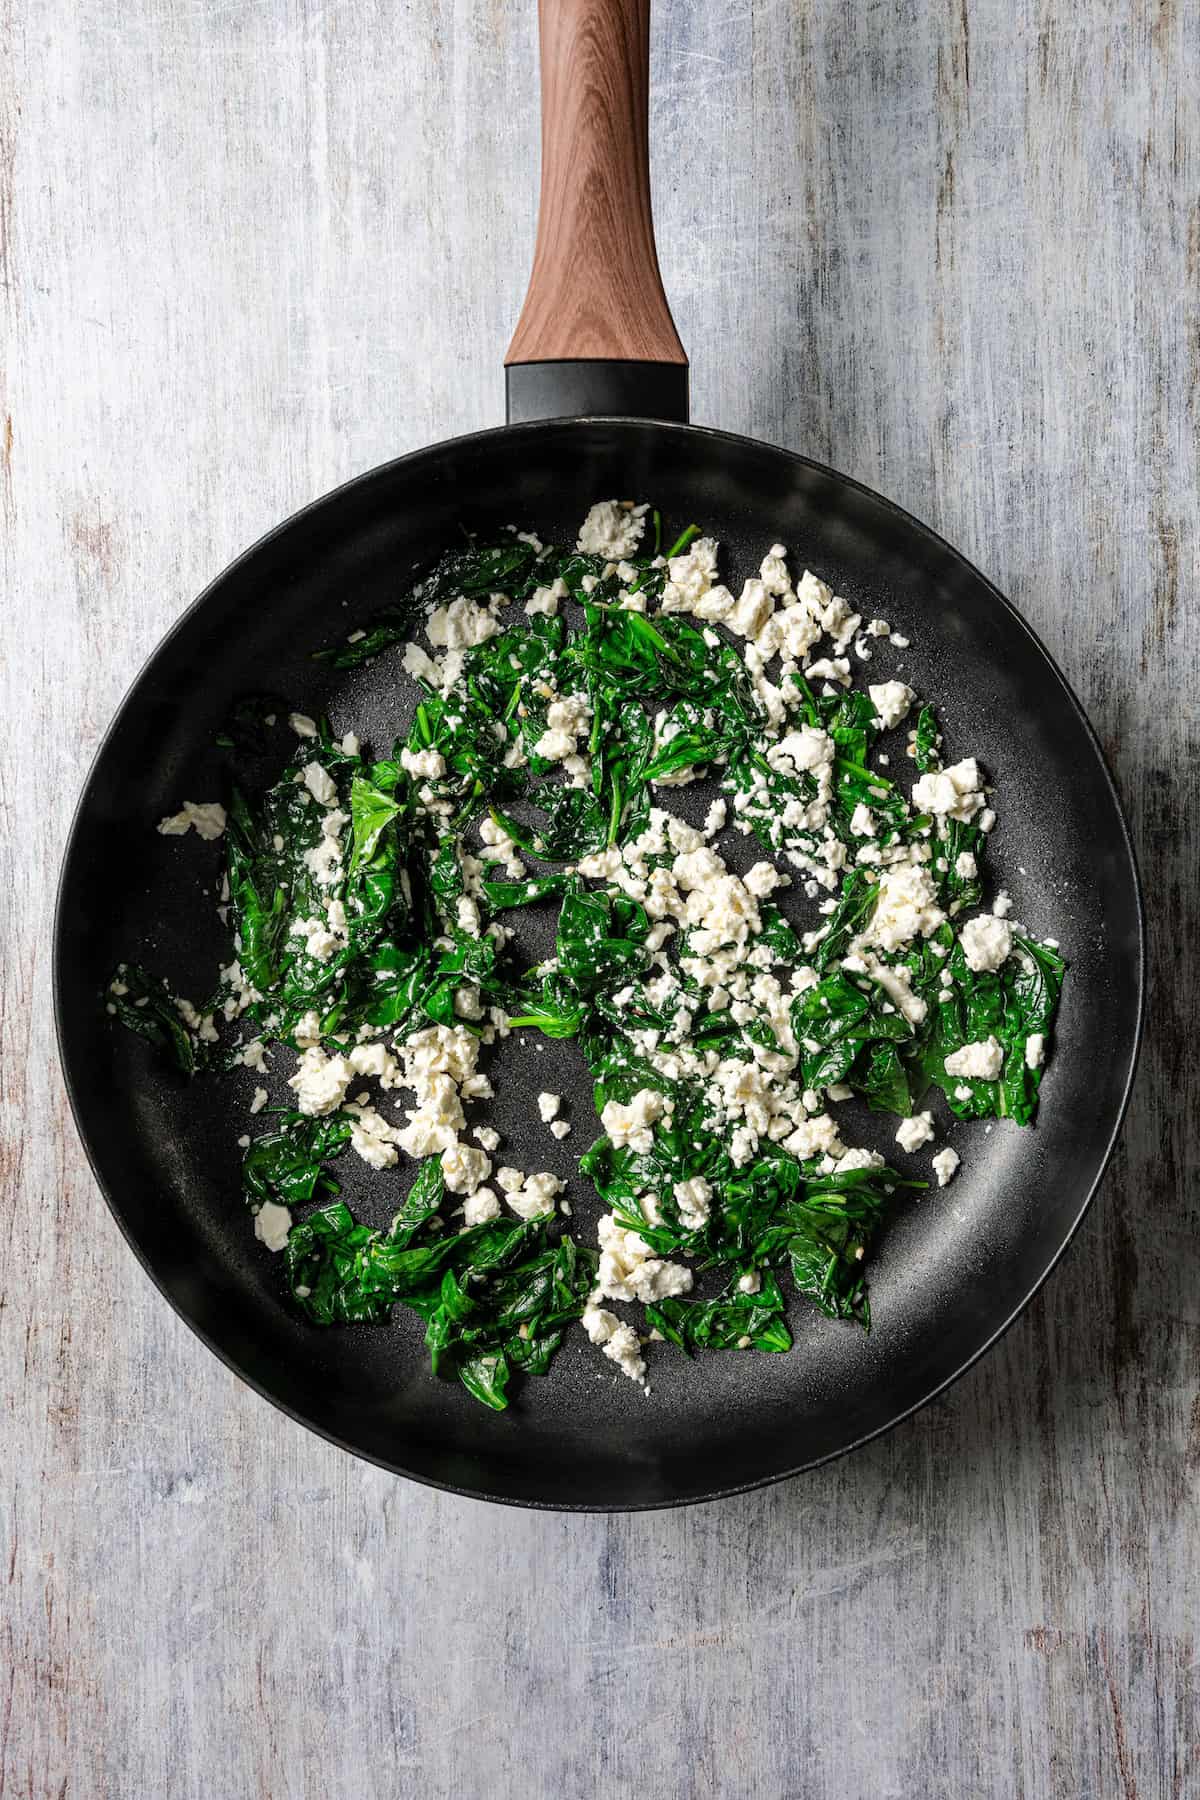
950, 1272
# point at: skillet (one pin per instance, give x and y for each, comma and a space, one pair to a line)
597, 403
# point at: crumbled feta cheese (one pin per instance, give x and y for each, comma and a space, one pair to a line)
896, 983
321, 1082
714, 819
534, 1196
773, 572
955, 793
424, 765
752, 610
693, 1198
914, 1132
690, 576
461, 625
806, 749
464, 1167
630, 1126
629, 1269
618, 1341
206, 818
814, 1137
1035, 1050
434, 1124
859, 1159
944, 1165
613, 529
439, 1050
302, 725
545, 600
371, 1137
319, 940
907, 906
830, 668
480, 1206
763, 879
548, 1105
324, 859
891, 700
272, 1224
980, 1061
566, 720
986, 942
420, 665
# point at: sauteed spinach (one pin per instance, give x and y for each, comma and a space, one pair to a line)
375, 907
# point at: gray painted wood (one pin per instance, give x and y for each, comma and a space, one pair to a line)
251, 249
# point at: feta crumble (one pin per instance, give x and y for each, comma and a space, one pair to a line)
981, 1061
206, 818
945, 1163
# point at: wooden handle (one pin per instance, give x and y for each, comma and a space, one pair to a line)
595, 290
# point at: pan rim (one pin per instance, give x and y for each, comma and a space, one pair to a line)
59, 929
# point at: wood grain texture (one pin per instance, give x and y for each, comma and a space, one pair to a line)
595, 291
250, 250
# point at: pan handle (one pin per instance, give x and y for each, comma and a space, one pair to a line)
595, 333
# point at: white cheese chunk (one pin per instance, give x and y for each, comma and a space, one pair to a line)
986, 942
480, 1206
618, 1341
372, 1138
206, 818
272, 1224
981, 1061
613, 529
423, 765
320, 784
944, 1165
460, 626
955, 793
914, 1132
630, 1126
321, 1082
907, 907
629, 1269
891, 700
693, 1198
535, 1196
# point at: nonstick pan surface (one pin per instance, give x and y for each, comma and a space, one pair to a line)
950, 1271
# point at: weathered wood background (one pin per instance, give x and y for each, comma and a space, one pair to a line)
952, 246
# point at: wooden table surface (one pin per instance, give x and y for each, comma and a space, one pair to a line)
952, 247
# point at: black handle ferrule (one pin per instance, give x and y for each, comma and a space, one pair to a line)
571, 390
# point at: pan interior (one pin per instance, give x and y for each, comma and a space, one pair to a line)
949, 1270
